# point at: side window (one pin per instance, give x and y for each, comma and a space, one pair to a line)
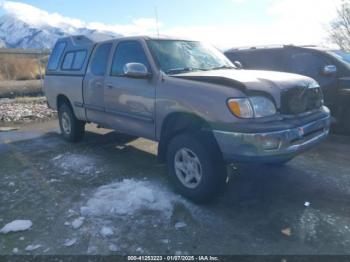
233, 56
56, 56
100, 60
79, 60
306, 63
128, 52
67, 62
263, 59
74, 60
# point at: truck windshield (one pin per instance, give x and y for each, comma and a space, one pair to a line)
179, 56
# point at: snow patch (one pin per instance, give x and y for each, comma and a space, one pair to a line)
70, 242
180, 225
16, 225
57, 157
140, 250
129, 197
113, 248
78, 222
75, 163
165, 241
15, 250
106, 231
32, 247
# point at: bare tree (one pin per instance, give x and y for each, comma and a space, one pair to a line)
340, 27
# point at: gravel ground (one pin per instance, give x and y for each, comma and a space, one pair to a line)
24, 110
108, 195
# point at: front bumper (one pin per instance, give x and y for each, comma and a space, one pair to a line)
270, 147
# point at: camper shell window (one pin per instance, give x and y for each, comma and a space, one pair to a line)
74, 60
56, 56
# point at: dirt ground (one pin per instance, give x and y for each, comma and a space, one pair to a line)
108, 195
13, 88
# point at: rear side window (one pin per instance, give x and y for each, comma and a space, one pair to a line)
56, 56
100, 60
233, 56
128, 52
74, 60
269, 59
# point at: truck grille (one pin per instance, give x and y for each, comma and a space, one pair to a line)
300, 100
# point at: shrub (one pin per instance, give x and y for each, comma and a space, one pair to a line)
15, 67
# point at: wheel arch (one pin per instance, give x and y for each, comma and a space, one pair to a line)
178, 122
79, 113
61, 99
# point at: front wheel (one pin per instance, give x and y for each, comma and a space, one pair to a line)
195, 168
72, 129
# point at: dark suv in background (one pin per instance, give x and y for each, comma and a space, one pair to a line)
330, 68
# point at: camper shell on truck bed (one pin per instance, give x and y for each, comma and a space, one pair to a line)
69, 60
78, 50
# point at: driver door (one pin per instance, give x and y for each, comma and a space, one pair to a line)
130, 102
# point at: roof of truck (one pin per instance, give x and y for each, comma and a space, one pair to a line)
247, 48
83, 40
155, 37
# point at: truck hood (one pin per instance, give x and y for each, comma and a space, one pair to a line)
249, 81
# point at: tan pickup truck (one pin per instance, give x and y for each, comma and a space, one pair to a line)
186, 95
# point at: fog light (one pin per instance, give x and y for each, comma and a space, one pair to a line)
270, 143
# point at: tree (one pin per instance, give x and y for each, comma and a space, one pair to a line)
340, 27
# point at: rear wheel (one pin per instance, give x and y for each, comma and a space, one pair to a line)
195, 169
72, 129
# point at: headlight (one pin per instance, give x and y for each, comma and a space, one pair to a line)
262, 106
252, 107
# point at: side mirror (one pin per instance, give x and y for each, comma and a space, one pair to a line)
329, 70
136, 70
238, 64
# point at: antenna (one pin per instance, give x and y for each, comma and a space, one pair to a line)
156, 13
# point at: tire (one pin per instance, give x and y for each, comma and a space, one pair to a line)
204, 165
72, 129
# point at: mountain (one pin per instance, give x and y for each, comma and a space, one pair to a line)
17, 33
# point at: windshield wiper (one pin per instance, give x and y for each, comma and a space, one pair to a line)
174, 71
223, 67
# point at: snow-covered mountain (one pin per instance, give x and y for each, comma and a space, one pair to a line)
17, 33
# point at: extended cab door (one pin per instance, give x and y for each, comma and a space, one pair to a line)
94, 83
130, 102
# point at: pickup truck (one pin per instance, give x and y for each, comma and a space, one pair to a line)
204, 112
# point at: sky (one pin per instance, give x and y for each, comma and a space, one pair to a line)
224, 23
